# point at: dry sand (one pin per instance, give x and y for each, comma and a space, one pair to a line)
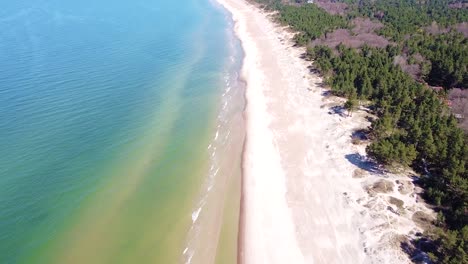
309, 195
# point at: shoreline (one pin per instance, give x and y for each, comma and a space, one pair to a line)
212, 236
309, 195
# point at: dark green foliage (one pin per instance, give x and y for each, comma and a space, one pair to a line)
392, 150
310, 20
322, 56
402, 17
448, 54
451, 246
414, 127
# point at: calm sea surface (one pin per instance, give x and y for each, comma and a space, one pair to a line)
110, 115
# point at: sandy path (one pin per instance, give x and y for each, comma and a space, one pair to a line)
301, 203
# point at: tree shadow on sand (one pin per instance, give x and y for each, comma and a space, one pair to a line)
360, 134
364, 163
416, 248
313, 70
338, 110
326, 93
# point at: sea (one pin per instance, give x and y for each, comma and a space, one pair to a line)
121, 132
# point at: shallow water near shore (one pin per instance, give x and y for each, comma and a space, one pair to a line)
117, 130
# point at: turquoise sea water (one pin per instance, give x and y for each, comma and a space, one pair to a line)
107, 109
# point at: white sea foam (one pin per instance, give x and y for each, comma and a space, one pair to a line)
195, 214
190, 258
214, 178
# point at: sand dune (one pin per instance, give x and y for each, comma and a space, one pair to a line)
301, 203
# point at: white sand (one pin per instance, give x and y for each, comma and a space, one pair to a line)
301, 203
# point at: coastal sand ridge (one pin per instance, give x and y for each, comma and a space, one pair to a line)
300, 201
283, 207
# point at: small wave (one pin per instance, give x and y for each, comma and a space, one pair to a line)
190, 255
190, 258
220, 143
195, 214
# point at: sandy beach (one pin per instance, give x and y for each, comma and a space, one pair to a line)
309, 194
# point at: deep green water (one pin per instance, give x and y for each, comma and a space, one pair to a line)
107, 109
